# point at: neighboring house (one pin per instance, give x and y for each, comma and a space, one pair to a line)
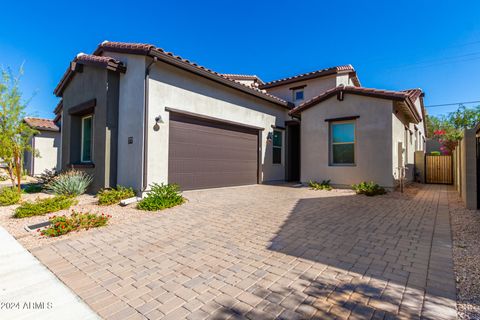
46, 142
133, 114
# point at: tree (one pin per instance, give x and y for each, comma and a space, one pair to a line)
15, 134
448, 130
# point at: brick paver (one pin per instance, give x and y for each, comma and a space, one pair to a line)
264, 252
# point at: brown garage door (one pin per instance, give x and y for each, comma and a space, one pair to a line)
209, 154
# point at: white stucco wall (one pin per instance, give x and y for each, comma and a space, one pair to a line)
373, 147
47, 143
170, 87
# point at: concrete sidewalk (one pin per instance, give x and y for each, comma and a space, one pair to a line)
28, 290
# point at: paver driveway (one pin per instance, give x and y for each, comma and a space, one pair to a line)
263, 252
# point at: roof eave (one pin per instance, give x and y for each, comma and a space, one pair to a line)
303, 78
204, 73
67, 76
313, 102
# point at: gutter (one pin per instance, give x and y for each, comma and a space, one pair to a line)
145, 125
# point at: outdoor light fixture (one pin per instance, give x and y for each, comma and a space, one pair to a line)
158, 119
270, 137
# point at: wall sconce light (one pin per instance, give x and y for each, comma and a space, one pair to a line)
158, 119
270, 137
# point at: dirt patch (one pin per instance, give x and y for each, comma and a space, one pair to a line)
466, 255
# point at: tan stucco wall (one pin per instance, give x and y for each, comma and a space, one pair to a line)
130, 120
373, 150
171, 87
468, 169
314, 87
406, 143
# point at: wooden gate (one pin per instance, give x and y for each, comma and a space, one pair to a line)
439, 169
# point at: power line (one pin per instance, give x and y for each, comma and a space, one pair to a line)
451, 104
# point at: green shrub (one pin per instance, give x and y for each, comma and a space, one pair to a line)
111, 196
62, 225
368, 189
3, 177
33, 188
9, 196
435, 153
44, 206
71, 183
161, 197
324, 185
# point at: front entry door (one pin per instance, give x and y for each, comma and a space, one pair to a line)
293, 152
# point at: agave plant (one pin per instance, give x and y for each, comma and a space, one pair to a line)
71, 183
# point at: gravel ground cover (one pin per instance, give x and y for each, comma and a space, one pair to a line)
466, 255
86, 203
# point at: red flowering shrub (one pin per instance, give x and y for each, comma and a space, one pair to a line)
76, 221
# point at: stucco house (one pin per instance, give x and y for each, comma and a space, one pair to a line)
46, 142
133, 114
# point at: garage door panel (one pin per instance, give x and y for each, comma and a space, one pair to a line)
206, 154
212, 135
212, 152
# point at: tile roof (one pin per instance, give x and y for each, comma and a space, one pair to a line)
59, 107
311, 75
87, 59
414, 93
242, 77
125, 47
408, 96
41, 124
153, 51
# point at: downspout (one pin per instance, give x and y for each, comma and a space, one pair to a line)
145, 124
32, 156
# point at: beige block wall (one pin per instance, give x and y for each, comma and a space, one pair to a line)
468, 169
373, 150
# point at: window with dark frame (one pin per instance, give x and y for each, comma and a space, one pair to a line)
298, 95
86, 143
277, 147
342, 143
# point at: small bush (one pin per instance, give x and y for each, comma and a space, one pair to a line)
71, 183
62, 225
33, 188
9, 196
3, 177
47, 176
368, 189
44, 206
107, 197
435, 153
161, 197
324, 185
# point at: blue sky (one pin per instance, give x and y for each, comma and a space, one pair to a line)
434, 45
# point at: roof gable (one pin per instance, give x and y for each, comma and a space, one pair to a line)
402, 96
346, 69
90, 60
